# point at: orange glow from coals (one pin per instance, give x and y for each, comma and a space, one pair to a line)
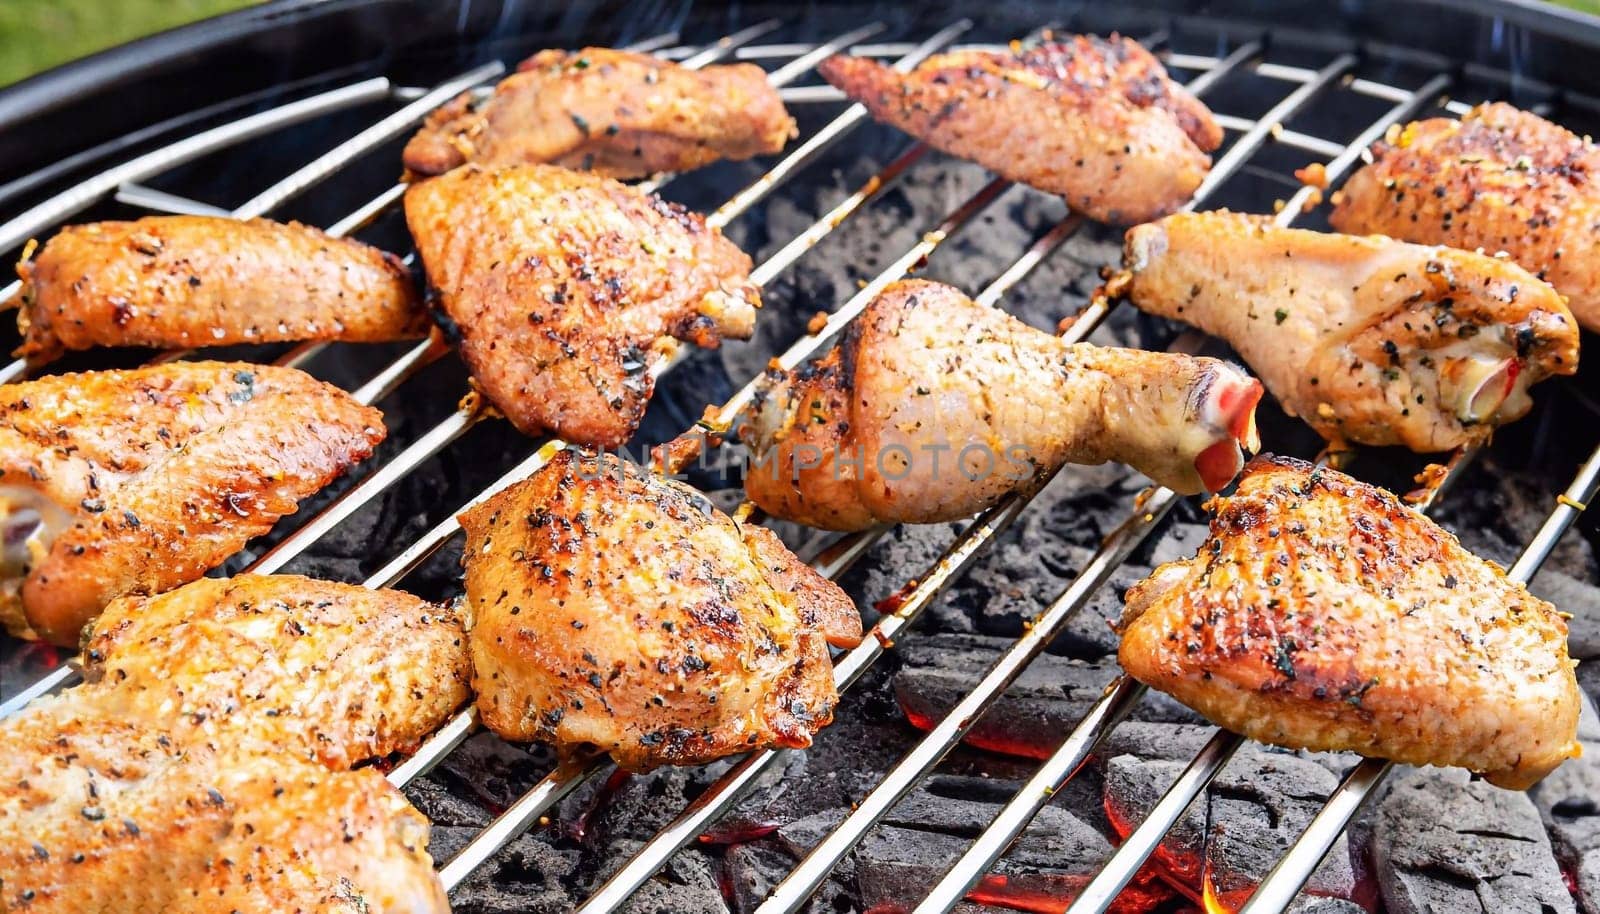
998, 891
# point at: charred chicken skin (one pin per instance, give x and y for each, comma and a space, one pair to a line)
565, 287
616, 113
934, 407
1370, 340
1324, 614
1094, 120
616, 609
175, 282
1500, 179
118, 482
203, 765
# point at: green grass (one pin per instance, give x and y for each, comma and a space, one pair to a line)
38, 34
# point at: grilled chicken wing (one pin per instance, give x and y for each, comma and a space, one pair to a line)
617, 113
119, 482
1094, 120
176, 282
1499, 179
184, 776
1370, 340
616, 609
1324, 614
934, 407
566, 286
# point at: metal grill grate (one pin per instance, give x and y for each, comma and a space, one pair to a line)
1305, 88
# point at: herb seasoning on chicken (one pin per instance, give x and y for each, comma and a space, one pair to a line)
176, 282
1324, 614
1095, 120
616, 609
204, 765
117, 482
1499, 179
933, 407
617, 113
1370, 340
567, 287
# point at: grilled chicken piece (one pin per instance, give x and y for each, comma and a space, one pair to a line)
617, 113
1324, 614
118, 482
1370, 340
616, 609
266, 660
934, 407
1499, 179
185, 771
1094, 120
176, 282
565, 287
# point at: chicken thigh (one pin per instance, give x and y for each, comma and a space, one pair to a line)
564, 288
1499, 179
1370, 340
616, 609
934, 407
1324, 614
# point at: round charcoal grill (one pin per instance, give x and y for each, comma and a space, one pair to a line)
297, 110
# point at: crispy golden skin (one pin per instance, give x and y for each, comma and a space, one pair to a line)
934, 407
564, 286
616, 609
1094, 120
1499, 179
1370, 340
268, 660
182, 783
175, 282
617, 113
1324, 614
148, 478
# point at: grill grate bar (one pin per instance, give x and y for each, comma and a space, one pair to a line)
1283, 882
1124, 692
162, 202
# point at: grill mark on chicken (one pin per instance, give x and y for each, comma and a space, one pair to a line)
930, 375
1323, 614
204, 763
1500, 179
566, 287
1095, 120
617, 113
620, 610
150, 477
173, 282
1369, 340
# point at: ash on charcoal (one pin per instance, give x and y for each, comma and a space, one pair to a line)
1178, 541
1445, 842
1582, 601
1589, 679
1254, 810
1501, 509
1039, 709
528, 877
924, 835
493, 771
688, 884
1569, 801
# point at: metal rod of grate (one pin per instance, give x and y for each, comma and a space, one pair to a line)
1124, 693
424, 352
